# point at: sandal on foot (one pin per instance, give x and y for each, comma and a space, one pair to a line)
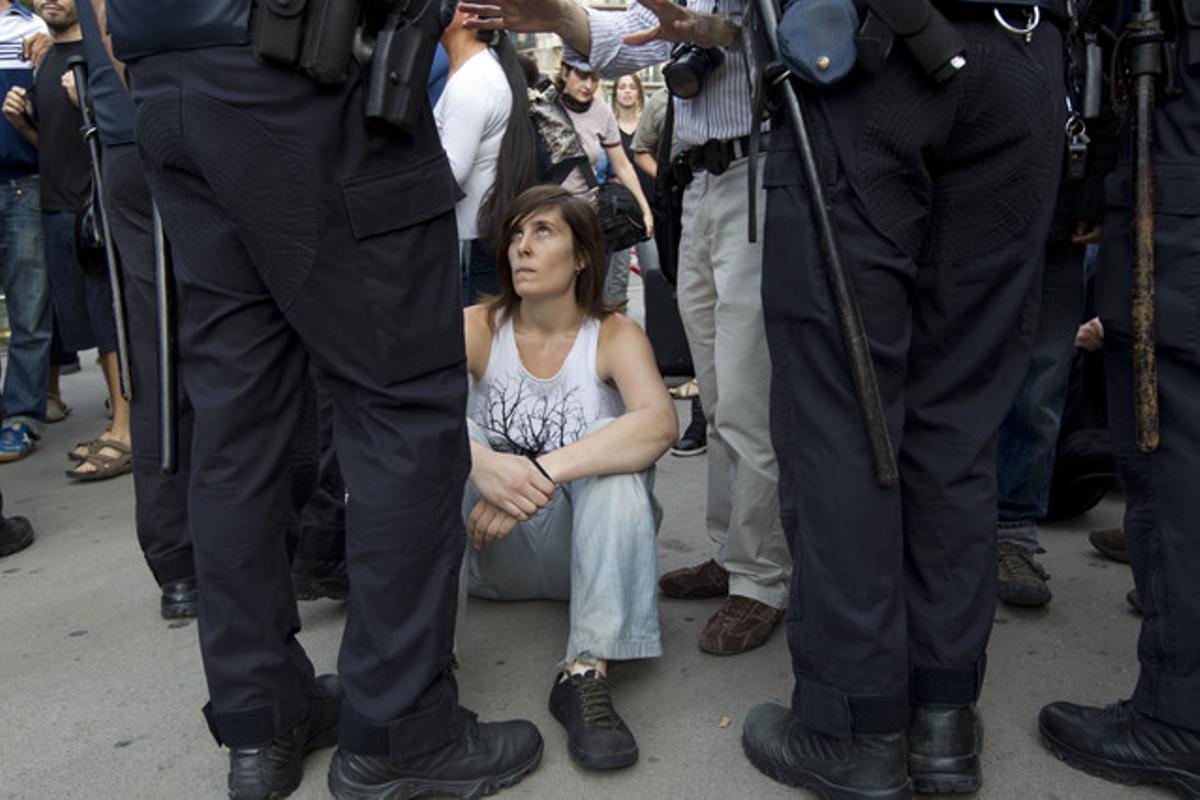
105, 466
90, 444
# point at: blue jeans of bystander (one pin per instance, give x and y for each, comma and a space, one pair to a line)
27, 296
1029, 434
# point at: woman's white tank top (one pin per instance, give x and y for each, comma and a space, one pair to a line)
528, 415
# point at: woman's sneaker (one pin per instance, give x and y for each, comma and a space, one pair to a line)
597, 737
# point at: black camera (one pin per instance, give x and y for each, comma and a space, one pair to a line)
689, 67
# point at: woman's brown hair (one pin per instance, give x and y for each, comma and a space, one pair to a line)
580, 217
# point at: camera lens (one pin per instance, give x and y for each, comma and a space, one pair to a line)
689, 67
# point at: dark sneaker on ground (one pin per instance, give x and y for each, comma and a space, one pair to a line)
485, 758
944, 743
695, 583
1134, 598
1022, 579
835, 768
740, 624
597, 737
313, 579
179, 599
17, 440
16, 533
1119, 743
1110, 542
274, 770
694, 440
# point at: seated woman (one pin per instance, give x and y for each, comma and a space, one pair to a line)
568, 415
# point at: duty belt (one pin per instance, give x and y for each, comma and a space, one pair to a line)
715, 155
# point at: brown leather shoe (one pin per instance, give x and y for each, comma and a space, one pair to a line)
740, 624
1110, 542
694, 583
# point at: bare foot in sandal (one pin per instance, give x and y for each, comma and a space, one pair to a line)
109, 455
83, 449
107, 458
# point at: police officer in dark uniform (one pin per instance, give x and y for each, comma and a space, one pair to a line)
1155, 736
161, 507
302, 231
318, 569
942, 187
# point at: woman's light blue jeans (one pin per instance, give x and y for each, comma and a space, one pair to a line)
592, 545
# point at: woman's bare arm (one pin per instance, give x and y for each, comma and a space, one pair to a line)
640, 436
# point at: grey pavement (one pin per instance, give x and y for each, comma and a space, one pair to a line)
100, 698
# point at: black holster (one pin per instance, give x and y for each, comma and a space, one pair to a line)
401, 59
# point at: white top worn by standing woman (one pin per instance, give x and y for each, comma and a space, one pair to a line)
471, 117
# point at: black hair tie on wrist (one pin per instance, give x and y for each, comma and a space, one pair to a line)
541, 469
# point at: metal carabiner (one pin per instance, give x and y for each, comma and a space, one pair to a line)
1032, 19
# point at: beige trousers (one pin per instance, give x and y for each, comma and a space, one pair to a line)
720, 274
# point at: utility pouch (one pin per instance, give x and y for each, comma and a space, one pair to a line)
816, 40
279, 31
1191, 30
328, 38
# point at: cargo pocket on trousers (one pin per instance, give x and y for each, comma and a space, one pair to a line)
794, 286
404, 266
1176, 254
393, 200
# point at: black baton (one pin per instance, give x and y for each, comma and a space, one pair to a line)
168, 420
78, 67
854, 336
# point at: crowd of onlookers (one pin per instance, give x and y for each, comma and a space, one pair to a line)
55, 309
505, 127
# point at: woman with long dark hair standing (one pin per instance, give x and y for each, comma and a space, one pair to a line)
483, 121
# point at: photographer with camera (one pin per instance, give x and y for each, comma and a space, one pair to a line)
719, 279
302, 230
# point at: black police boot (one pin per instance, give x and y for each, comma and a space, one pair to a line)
597, 737
179, 599
313, 579
485, 758
835, 768
944, 744
1121, 744
274, 770
16, 533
